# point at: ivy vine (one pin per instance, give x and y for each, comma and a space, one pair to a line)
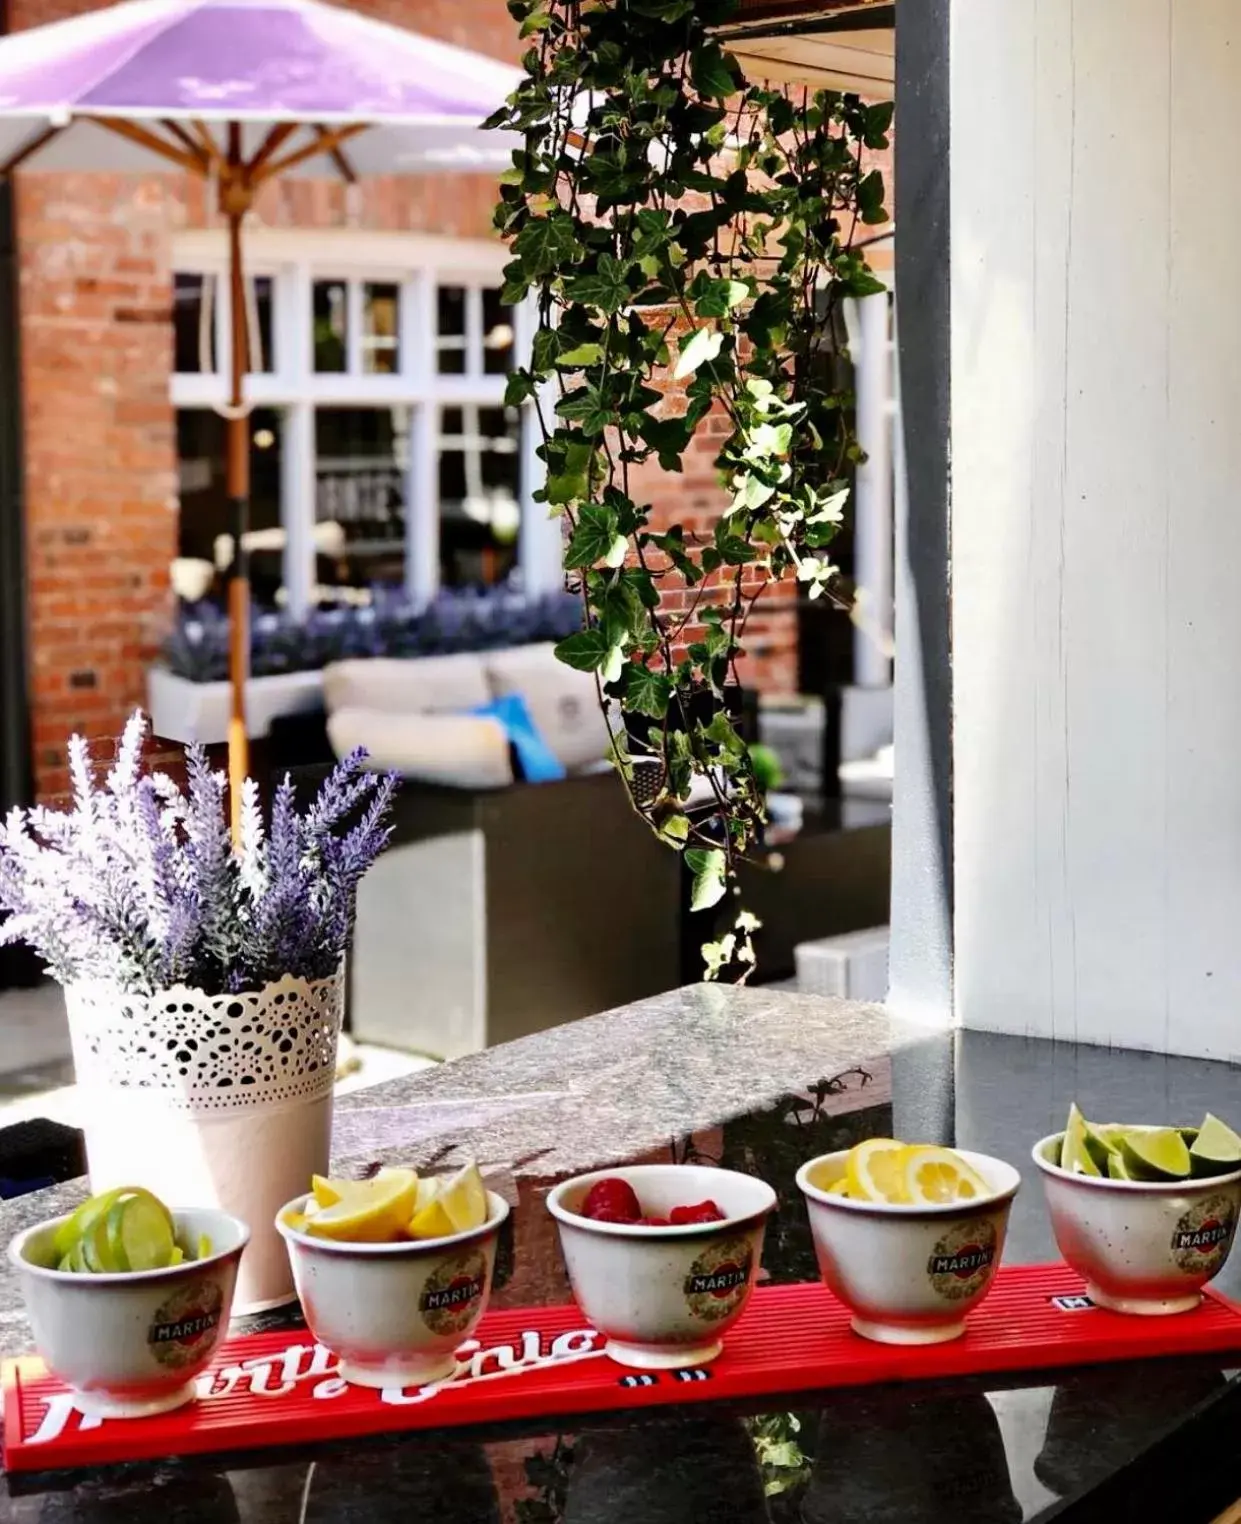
688, 236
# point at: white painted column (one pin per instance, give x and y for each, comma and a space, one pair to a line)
872, 569
422, 498
297, 442
540, 548
1096, 384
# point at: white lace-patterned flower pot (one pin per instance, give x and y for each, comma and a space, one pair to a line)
212, 1101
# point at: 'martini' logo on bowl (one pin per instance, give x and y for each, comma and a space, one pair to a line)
186, 1324
1203, 1234
452, 1293
962, 1261
718, 1279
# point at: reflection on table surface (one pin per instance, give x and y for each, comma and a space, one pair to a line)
999, 1450
944, 1453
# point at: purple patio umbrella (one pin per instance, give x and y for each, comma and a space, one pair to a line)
244, 91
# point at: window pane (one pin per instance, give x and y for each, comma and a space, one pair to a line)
497, 334
330, 303
263, 360
361, 468
193, 322
204, 500
381, 308
480, 494
450, 339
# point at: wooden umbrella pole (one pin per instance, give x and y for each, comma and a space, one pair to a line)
235, 195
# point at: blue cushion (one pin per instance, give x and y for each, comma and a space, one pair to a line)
537, 761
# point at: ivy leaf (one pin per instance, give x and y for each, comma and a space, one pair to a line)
878, 120
719, 297
662, 10
544, 349
607, 287
518, 388
545, 243
870, 197
586, 651
668, 437
594, 538
647, 692
613, 664
567, 483
707, 866
723, 733
675, 829
581, 355
703, 344
713, 73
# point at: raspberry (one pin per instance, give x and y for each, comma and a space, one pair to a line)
704, 1211
612, 1200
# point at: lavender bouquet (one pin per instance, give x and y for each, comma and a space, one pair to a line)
140, 887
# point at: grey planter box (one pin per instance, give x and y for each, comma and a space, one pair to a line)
184, 711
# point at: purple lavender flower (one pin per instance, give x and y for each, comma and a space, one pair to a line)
139, 885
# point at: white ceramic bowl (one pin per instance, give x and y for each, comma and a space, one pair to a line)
663, 1297
131, 1345
1141, 1246
394, 1314
908, 1274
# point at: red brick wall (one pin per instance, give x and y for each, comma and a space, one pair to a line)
100, 441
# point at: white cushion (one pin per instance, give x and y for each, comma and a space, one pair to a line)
461, 750
407, 685
563, 703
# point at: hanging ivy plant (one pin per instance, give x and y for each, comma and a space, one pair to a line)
688, 237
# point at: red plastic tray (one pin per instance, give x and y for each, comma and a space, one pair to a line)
791, 1338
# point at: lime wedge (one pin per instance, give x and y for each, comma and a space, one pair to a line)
205, 1251
1117, 1169
1216, 1150
178, 1256
84, 1220
1102, 1143
1155, 1153
146, 1232
137, 1234
1075, 1155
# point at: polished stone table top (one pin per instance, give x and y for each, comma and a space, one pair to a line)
758, 1080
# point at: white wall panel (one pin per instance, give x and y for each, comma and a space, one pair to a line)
1096, 390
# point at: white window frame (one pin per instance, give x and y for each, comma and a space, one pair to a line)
418, 263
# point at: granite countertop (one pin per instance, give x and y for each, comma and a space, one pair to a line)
760, 1080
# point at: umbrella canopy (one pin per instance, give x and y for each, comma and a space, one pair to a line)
405, 103
242, 91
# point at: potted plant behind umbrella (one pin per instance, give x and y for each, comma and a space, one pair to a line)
203, 975
243, 94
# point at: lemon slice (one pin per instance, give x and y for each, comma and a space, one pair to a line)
936, 1175
432, 1222
463, 1197
376, 1215
875, 1170
326, 1193
838, 1188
